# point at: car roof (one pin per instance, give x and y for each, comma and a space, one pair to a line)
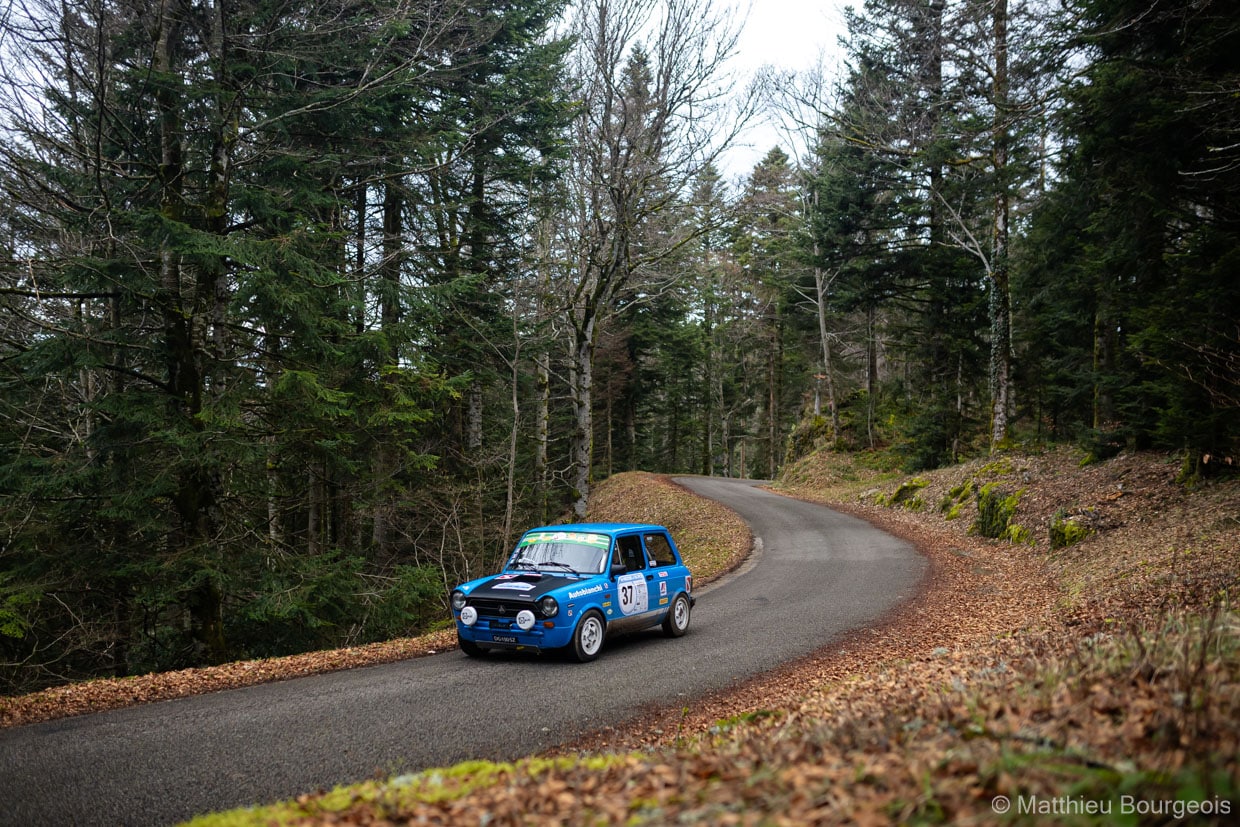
610, 529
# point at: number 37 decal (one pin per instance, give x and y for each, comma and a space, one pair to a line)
632, 592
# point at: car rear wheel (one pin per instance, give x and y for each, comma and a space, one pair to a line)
588, 637
470, 648
677, 621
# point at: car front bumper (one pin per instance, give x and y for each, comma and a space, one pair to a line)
503, 634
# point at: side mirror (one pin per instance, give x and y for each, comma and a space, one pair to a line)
617, 569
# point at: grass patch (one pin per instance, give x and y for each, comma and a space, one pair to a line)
437, 789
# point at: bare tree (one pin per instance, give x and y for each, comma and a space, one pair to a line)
656, 109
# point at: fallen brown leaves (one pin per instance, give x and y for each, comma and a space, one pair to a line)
114, 693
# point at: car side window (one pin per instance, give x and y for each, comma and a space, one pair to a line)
631, 553
660, 550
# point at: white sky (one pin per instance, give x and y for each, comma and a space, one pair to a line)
786, 34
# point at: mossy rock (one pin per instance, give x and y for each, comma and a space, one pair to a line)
1016, 533
905, 496
953, 501
1000, 467
1067, 530
995, 509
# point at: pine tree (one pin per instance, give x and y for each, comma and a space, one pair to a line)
1149, 185
208, 257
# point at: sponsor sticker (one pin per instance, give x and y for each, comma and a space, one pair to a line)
576, 593
581, 538
514, 587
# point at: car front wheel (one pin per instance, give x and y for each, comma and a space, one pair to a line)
677, 621
588, 637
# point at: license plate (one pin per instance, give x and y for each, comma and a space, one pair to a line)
504, 638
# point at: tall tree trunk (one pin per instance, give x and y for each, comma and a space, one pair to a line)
583, 415
1000, 293
708, 419
821, 288
510, 488
1105, 347
315, 509
820, 285
384, 464
871, 370
771, 403
933, 81
195, 496
542, 368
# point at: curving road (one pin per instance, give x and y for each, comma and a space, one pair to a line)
817, 574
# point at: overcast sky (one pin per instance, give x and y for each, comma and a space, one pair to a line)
787, 34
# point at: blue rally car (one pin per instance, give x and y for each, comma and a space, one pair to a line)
571, 586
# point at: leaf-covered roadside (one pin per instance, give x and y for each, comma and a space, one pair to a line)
115, 693
1103, 673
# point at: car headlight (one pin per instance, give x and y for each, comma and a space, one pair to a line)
548, 606
469, 615
458, 599
525, 620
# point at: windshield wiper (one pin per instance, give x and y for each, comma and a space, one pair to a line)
524, 562
558, 563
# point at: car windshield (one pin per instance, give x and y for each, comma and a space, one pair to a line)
574, 551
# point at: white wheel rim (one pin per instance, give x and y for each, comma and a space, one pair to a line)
591, 635
682, 613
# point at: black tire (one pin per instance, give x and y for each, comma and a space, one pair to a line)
588, 637
677, 621
470, 648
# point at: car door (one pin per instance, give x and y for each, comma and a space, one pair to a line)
636, 589
667, 573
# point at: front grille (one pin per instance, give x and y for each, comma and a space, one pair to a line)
503, 611
498, 608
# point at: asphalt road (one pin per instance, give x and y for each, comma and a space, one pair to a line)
817, 574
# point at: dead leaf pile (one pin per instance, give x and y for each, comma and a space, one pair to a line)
115, 693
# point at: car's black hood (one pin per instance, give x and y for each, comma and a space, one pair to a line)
523, 586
